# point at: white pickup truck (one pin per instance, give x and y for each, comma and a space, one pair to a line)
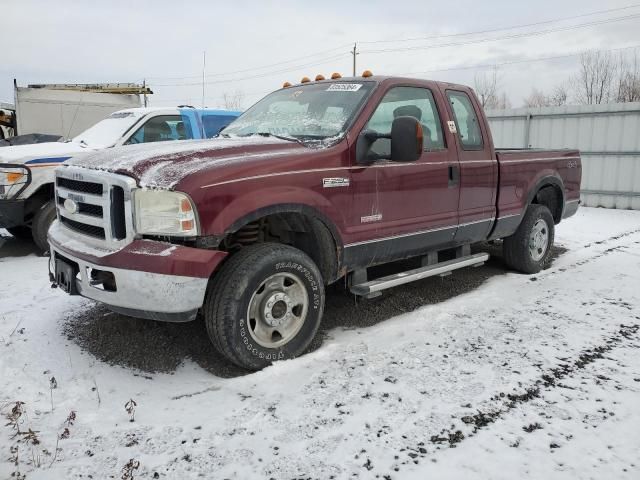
27, 206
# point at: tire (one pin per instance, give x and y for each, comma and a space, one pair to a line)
264, 304
42, 220
527, 250
22, 232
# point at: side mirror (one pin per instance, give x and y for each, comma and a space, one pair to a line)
407, 139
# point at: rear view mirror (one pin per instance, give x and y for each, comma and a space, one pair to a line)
407, 139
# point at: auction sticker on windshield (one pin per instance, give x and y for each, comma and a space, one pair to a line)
344, 87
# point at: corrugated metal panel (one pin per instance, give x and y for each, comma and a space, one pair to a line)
608, 137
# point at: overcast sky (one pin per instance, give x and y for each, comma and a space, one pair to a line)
267, 43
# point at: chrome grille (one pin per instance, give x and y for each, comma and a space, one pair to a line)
103, 212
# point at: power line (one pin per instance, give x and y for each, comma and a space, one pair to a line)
514, 62
253, 69
332, 58
464, 67
311, 55
259, 75
524, 25
505, 37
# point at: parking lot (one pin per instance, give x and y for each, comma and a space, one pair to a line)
486, 372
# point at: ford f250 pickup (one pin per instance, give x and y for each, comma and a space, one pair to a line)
316, 182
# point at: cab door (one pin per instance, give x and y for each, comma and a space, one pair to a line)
400, 208
478, 168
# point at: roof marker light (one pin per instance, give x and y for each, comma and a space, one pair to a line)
286, 85
319, 77
335, 76
367, 74
305, 80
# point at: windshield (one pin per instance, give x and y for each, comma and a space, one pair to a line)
108, 131
316, 111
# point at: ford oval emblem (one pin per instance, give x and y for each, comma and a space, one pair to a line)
70, 206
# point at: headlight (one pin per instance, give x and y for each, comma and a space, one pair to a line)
160, 212
12, 179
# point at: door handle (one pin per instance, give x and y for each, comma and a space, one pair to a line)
454, 175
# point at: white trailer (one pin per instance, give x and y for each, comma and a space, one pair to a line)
67, 110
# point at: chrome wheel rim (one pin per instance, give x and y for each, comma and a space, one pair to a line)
277, 310
539, 240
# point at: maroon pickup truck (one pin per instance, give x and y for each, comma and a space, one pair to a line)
315, 182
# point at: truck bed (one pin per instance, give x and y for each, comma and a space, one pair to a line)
522, 170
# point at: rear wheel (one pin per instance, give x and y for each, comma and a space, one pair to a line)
264, 304
22, 232
42, 220
527, 250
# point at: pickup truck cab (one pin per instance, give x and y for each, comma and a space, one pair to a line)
27, 208
316, 182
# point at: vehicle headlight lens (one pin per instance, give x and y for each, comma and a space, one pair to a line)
11, 179
160, 212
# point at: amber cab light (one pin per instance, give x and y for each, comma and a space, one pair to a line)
305, 80
367, 74
335, 76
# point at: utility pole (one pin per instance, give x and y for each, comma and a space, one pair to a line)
144, 89
204, 67
354, 52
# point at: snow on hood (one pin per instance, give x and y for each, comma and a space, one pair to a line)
23, 153
163, 165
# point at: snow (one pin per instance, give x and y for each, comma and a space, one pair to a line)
107, 132
163, 165
383, 401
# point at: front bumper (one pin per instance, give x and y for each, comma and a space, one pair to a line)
11, 213
152, 280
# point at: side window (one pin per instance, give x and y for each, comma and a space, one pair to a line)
407, 101
466, 121
162, 128
213, 123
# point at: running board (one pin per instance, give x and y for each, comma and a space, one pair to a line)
371, 287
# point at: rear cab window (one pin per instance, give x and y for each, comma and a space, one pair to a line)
466, 120
213, 124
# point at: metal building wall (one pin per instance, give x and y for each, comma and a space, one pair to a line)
608, 137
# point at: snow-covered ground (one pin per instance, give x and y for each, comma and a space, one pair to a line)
482, 374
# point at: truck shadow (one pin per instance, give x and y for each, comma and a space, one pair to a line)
155, 347
11, 246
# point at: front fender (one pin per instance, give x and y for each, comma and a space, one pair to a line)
252, 205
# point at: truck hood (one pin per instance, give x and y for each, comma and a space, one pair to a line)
41, 153
163, 165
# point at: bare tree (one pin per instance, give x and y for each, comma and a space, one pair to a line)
232, 101
559, 96
628, 84
536, 99
487, 88
595, 80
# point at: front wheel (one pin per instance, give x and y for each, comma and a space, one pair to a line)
264, 304
527, 250
42, 220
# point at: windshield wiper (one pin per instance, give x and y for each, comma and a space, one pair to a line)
281, 137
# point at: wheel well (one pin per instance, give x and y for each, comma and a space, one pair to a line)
299, 230
551, 197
